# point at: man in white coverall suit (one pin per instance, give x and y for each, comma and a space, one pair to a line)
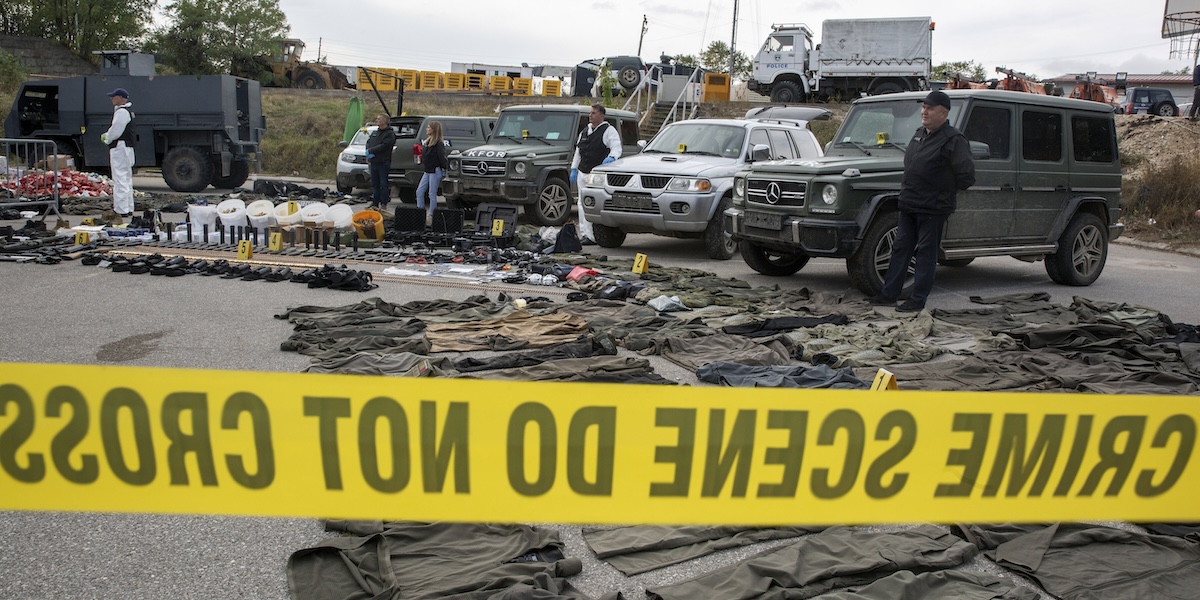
120, 140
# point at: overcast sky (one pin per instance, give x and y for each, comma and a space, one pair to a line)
1039, 37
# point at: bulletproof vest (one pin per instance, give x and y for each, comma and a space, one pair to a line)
128, 135
592, 149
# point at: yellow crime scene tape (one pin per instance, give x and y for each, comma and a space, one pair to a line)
122, 439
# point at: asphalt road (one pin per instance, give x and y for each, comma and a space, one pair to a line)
72, 314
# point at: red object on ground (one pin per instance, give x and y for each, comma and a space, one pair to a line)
70, 184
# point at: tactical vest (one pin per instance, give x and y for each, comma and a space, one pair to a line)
592, 149
128, 135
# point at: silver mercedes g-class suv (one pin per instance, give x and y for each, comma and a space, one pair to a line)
1047, 187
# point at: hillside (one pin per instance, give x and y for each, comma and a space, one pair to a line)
1160, 159
1148, 139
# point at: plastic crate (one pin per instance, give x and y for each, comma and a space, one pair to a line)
448, 220
487, 213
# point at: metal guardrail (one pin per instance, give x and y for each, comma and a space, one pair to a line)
647, 95
684, 101
29, 175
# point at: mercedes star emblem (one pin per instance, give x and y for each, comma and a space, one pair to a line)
482, 168
773, 193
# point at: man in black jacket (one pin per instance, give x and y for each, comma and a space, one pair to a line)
379, 159
937, 163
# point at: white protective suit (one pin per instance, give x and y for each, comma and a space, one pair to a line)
120, 160
612, 139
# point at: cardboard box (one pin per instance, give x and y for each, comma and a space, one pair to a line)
57, 162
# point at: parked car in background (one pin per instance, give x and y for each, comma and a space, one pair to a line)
682, 181
627, 71
352, 169
1148, 100
459, 132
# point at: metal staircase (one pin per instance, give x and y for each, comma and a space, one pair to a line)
654, 119
653, 112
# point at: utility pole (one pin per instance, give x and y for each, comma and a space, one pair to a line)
643, 36
732, 41
319, 49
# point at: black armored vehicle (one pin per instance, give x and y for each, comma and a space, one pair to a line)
200, 130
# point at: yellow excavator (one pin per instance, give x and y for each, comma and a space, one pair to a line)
286, 69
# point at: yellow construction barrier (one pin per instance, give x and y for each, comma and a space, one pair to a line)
382, 78
551, 87
522, 86
455, 81
411, 79
361, 80
500, 83
431, 81
475, 81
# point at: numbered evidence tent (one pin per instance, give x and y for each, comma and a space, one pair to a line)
1181, 24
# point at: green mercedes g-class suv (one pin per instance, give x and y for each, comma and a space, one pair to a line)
1047, 187
528, 159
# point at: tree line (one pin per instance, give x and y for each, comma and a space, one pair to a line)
192, 37
209, 37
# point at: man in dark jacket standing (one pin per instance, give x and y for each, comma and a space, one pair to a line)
937, 163
379, 159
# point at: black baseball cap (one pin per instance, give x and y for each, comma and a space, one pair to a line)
937, 98
119, 92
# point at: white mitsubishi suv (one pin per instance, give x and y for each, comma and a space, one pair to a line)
682, 180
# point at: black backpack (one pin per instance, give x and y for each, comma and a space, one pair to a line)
567, 240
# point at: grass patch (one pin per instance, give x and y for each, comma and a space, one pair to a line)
302, 134
1131, 161
303, 130
1163, 201
824, 130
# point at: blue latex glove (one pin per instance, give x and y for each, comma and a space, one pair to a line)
574, 175
370, 155
607, 159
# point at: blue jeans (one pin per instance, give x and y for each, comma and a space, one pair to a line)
919, 235
380, 191
428, 188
